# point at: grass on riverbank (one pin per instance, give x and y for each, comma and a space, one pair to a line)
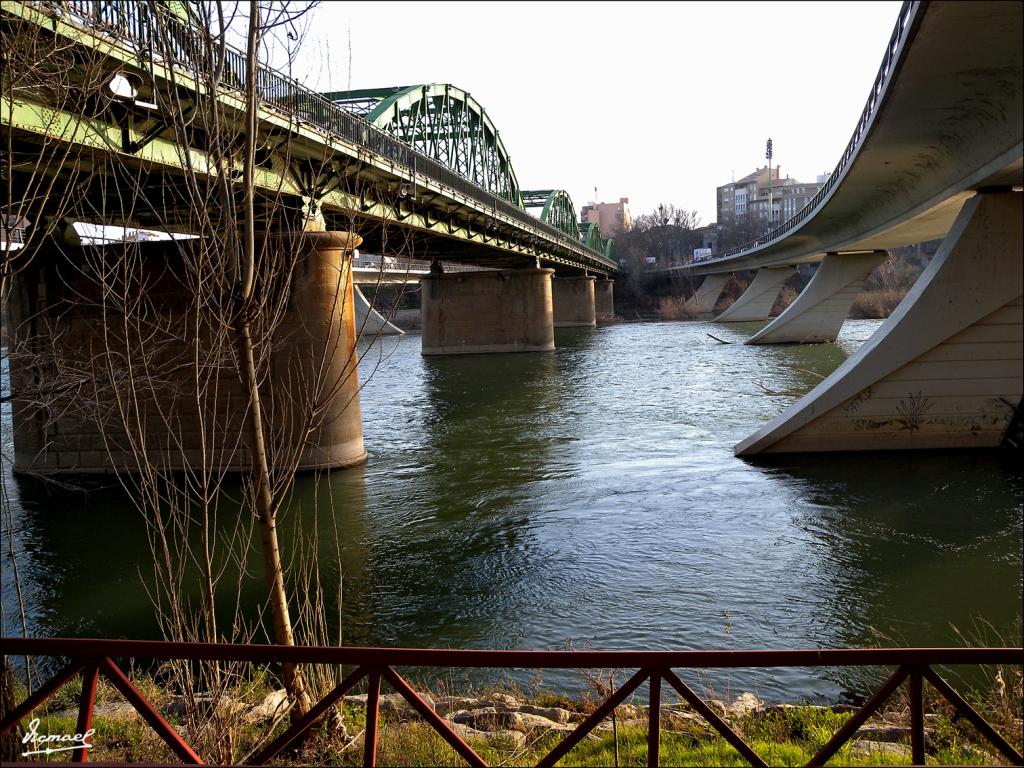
782, 735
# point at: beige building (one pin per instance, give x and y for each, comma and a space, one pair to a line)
746, 200
611, 218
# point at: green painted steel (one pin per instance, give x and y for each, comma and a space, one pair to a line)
609, 249
443, 122
556, 209
491, 218
448, 125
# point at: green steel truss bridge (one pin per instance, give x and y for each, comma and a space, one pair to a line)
423, 163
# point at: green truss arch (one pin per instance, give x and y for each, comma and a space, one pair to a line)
556, 209
592, 239
443, 122
609, 249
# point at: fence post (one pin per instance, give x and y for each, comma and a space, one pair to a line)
372, 716
916, 691
86, 703
654, 720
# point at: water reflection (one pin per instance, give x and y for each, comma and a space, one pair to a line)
590, 495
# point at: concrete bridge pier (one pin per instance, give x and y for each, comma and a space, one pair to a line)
315, 358
506, 310
818, 313
944, 371
604, 300
574, 301
759, 298
66, 316
703, 300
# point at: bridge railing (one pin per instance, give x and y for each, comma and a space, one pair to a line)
393, 264
193, 49
913, 666
870, 108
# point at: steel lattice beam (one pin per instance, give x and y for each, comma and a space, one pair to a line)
445, 123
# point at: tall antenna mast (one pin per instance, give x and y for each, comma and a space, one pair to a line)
768, 154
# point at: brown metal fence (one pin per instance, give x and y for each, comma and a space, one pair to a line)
92, 658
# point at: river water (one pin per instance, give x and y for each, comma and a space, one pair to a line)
590, 498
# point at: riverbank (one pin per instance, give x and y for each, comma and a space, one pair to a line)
509, 727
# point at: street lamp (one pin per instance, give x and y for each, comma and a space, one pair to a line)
768, 154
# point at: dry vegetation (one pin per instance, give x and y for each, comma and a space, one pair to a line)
674, 308
885, 288
782, 734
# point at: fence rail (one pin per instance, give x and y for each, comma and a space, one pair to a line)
91, 658
156, 33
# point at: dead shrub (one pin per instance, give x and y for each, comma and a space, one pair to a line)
787, 295
674, 308
876, 305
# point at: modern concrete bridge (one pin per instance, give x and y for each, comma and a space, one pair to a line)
937, 153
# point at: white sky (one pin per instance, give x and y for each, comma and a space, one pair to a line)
657, 102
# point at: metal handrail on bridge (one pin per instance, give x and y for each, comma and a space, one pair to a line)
91, 658
411, 266
874, 98
132, 21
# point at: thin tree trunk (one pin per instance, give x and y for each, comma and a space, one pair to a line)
273, 570
266, 511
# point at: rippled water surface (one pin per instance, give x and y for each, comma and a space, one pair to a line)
590, 497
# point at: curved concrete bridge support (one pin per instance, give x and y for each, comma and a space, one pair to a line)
944, 371
818, 313
703, 300
574, 301
759, 298
507, 310
370, 322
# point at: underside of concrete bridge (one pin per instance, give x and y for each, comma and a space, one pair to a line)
945, 370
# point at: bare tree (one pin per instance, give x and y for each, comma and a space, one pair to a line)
190, 367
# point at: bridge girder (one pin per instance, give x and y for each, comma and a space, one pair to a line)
313, 156
556, 207
443, 122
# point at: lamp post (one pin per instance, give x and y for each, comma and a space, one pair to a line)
768, 154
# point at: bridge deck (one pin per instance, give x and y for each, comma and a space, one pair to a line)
335, 161
944, 118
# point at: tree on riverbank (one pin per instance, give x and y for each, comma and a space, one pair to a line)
174, 352
664, 237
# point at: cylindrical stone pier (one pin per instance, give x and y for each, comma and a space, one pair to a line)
574, 301
493, 311
604, 301
314, 360
121, 360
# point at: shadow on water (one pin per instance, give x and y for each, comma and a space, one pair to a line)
590, 495
459, 545
88, 568
908, 540
60, 533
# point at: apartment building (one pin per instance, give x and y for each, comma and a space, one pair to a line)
611, 218
747, 199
